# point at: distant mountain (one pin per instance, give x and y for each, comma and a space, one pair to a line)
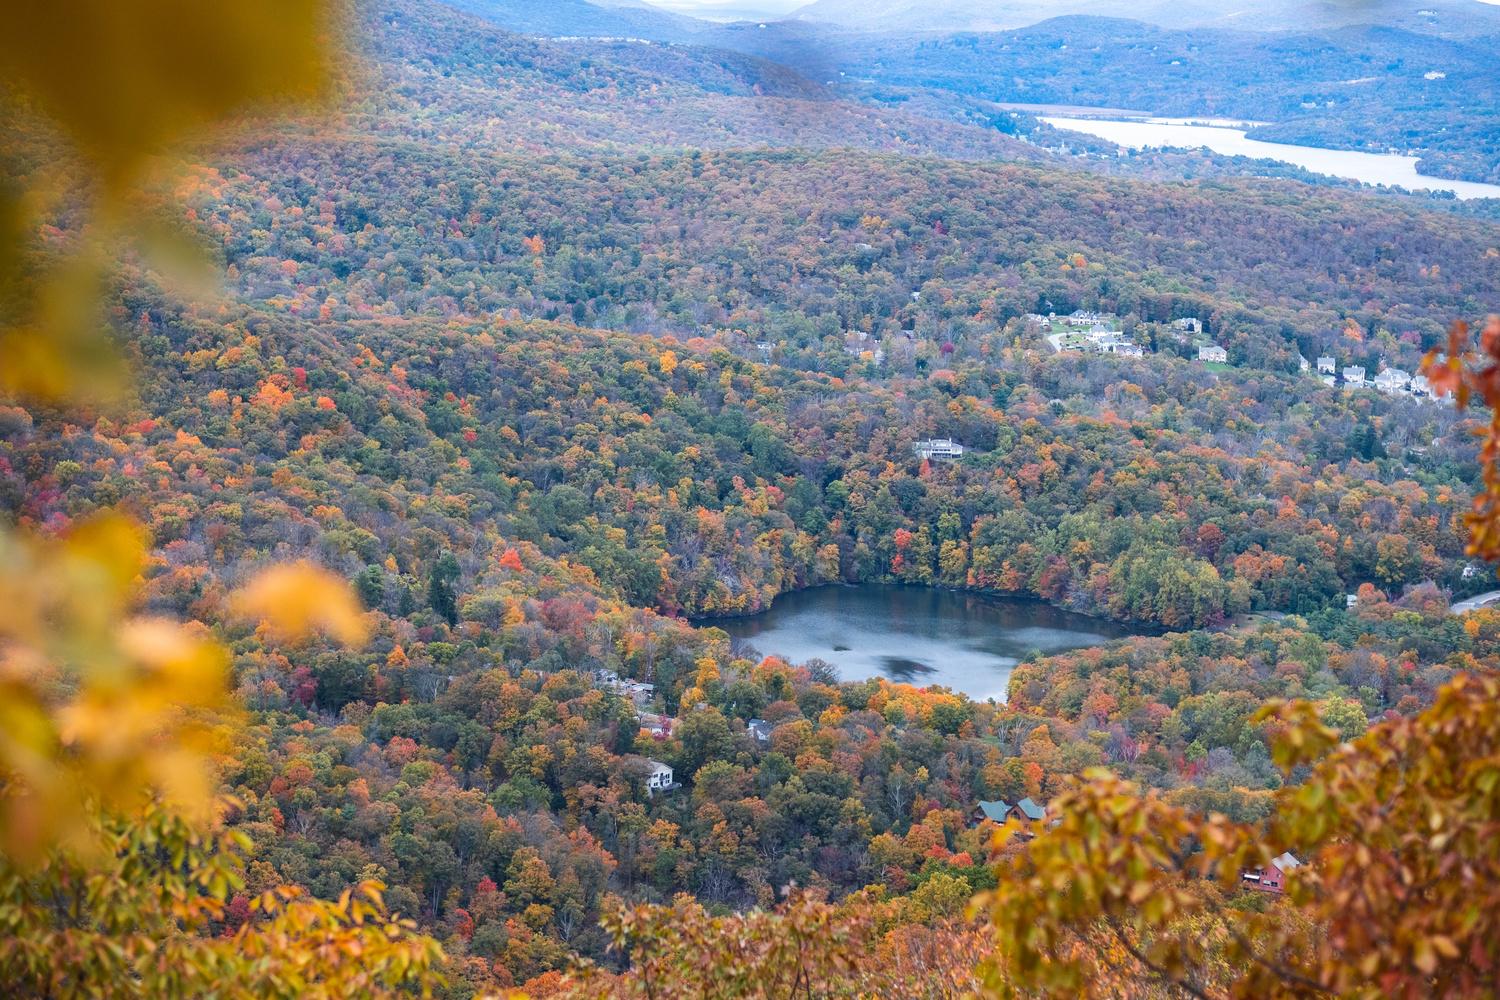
577, 18
1452, 18
717, 10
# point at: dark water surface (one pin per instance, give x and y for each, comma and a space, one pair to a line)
917, 635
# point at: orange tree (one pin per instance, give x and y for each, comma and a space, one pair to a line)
802, 946
865, 946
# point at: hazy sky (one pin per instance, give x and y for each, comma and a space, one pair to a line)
773, 7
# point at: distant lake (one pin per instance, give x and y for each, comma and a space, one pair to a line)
1369, 168
917, 635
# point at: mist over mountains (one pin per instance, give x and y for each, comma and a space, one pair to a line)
1450, 18
1381, 76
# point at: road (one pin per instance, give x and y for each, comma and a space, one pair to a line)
1475, 602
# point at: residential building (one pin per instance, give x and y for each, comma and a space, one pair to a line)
1272, 879
640, 694
660, 778
1392, 380
1302, 364
760, 729
1104, 339
1420, 386
659, 726
1026, 811
1327, 366
1214, 353
1082, 318
1193, 324
938, 448
995, 811
1354, 376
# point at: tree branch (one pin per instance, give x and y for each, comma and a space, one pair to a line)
1164, 974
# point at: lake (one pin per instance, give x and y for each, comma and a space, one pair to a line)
917, 635
1370, 168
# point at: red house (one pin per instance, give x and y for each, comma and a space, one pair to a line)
1272, 879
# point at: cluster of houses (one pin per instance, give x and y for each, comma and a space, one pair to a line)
640, 694
1100, 335
1388, 380
1108, 341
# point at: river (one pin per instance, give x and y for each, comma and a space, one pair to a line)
1370, 168
917, 635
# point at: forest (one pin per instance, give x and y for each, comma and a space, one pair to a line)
544, 358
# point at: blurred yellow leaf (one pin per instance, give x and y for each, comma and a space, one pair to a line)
123, 81
297, 599
124, 78
96, 708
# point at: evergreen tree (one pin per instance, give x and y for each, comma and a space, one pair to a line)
442, 588
369, 583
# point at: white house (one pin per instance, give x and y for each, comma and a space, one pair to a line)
660, 778
657, 725
760, 729
1392, 380
1327, 366
1082, 318
1213, 352
1129, 350
1105, 339
938, 448
1354, 375
1192, 324
1302, 364
1420, 386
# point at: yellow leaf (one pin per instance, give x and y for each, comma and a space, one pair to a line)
298, 599
1424, 957
125, 78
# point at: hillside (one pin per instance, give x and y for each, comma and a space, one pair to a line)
561, 351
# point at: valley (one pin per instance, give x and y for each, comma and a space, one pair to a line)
592, 468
